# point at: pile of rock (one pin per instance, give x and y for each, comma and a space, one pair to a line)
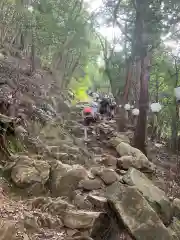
140, 206
85, 197
97, 196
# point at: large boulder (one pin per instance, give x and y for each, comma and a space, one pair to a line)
28, 171
109, 176
142, 164
79, 219
134, 211
65, 179
154, 195
138, 160
124, 149
115, 141
126, 162
91, 184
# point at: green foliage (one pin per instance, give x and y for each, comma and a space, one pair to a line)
161, 88
158, 19
14, 145
80, 86
65, 38
116, 70
61, 32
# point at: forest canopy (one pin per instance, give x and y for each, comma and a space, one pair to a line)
67, 37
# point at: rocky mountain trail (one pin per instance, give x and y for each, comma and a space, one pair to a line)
56, 186
81, 195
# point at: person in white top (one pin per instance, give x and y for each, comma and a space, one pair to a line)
95, 107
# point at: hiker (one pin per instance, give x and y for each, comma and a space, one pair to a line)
104, 107
95, 96
112, 108
90, 116
71, 94
95, 107
90, 93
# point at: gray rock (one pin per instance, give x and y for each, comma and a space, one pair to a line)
109, 176
65, 179
139, 160
97, 201
91, 184
155, 196
135, 212
28, 171
79, 219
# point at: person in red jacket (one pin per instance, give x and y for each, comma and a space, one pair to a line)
89, 117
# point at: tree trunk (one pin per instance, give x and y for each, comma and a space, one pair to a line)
175, 118
121, 118
174, 130
32, 54
140, 50
141, 128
